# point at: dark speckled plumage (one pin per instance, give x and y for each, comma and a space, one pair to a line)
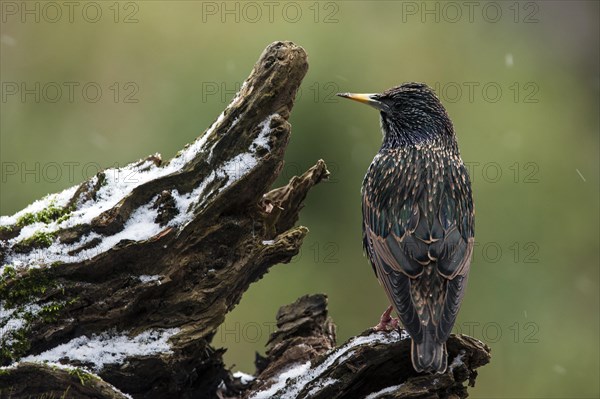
418, 219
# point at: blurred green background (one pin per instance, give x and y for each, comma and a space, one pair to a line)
520, 81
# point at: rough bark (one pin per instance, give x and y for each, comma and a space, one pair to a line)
215, 228
35, 380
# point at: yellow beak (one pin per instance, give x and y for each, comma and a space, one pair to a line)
369, 99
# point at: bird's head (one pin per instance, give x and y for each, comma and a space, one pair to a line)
410, 114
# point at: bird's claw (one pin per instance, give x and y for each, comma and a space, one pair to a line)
387, 322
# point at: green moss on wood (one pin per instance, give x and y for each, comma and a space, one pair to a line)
13, 345
8, 272
17, 291
39, 239
47, 215
20, 290
83, 375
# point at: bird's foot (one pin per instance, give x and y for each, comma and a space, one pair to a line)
387, 322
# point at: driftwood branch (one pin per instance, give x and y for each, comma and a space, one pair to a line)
116, 287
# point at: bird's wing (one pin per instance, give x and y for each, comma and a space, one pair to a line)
454, 253
388, 269
404, 232
391, 214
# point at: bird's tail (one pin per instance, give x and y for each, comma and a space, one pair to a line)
429, 355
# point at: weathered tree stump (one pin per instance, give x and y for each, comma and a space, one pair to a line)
115, 288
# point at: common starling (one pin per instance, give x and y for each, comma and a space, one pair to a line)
418, 218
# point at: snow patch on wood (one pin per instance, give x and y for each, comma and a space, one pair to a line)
108, 348
290, 383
